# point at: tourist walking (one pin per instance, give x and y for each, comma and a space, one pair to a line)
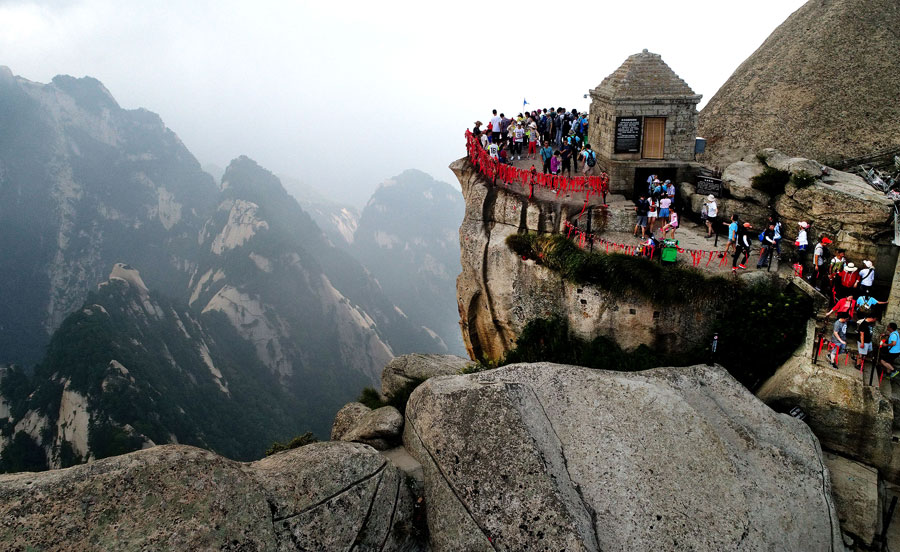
838, 338
742, 246
566, 156
589, 159
653, 213
768, 245
847, 280
820, 253
801, 244
712, 211
867, 277
519, 137
864, 341
732, 232
642, 207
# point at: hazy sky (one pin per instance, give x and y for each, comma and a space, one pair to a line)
346, 94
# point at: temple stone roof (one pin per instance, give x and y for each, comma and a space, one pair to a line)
644, 76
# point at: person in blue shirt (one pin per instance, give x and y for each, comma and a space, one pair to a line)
866, 303
890, 351
732, 232
546, 155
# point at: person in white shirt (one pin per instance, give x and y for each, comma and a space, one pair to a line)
802, 243
867, 278
495, 128
712, 211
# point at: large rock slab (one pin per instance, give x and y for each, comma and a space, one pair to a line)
381, 428
551, 457
347, 418
847, 415
855, 490
325, 496
406, 369
737, 179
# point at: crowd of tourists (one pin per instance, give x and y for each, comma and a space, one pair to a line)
555, 136
656, 208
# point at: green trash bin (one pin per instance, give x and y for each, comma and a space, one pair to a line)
669, 250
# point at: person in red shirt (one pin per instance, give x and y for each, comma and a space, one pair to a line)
849, 280
844, 305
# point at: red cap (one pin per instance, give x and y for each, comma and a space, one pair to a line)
747, 225
826, 241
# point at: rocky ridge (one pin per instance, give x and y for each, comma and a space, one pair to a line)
818, 87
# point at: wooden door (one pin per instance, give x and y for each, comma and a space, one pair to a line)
654, 138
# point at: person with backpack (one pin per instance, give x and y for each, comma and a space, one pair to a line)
890, 351
590, 160
867, 277
641, 207
767, 239
742, 246
866, 304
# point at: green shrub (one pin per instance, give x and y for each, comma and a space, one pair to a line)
619, 274
300, 441
771, 181
802, 179
371, 398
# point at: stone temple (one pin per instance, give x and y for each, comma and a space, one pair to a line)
643, 121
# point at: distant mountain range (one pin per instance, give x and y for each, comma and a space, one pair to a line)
230, 317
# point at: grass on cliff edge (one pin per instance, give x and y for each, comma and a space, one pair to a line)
619, 274
760, 328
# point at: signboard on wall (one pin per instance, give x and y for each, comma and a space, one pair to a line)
707, 185
628, 134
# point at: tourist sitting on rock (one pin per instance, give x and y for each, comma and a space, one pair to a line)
838, 338
847, 304
890, 351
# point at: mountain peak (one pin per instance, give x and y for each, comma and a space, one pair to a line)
88, 92
125, 272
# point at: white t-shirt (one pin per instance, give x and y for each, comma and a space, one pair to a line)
712, 210
869, 278
495, 123
493, 150
801, 237
664, 203
818, 252
520, 133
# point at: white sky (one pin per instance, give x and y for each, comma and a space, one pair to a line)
346, 94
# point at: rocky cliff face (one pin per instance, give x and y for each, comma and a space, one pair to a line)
85, 184
407, 238
498, 293
821, 86
132, 369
